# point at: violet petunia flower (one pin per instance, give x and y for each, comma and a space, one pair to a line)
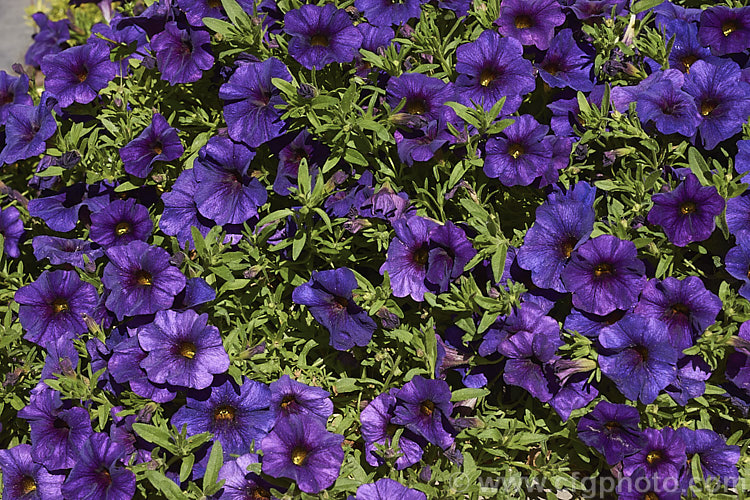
11, 228
181, 212
692, 374
407, 257
182, 349
737, 262
604, 274
49, 40
182, 55
226, 192
302, 146
532, 22
157, 142
425, 96
56, 433
13, 90
590, 10
725, 30
140, 279
59, 209
688, 213
378, 428
449, 252
687, 49
25, 479
53, 306
27, 129
613, 430
422, 144
492, 67
290, 398
78, 74
671, 110
302, 450
250, 101
641, 485
662, 453
235, 415
321, 35
98, 474
124, 366
717, 458
721, 98
121, 222
520, 153
424, 407
328, 295
240, 484
638, 357
62, 251
685, 306
388, 489
565, 64
738, 210
562, 224
387, 12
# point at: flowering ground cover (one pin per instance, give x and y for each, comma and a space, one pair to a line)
377, 250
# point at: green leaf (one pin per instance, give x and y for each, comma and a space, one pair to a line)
467, 393
219, 26
165, 485
346, 385
644, 5
236, 14
155, 435
215, 461
187, 467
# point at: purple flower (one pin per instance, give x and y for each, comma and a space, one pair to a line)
302, 450
738, 211
687, 213
97, 473
25, 479
388, 12
737, 262
378, 428
182, 55
53, 306
662, 453
121, 222
388, 489
717, 458
56, 433
182, 349
520, 153
408, 255
686, 49
565, 64
692, 373
644, 486
226, 191
180, 211
725, 30
563, 223
290, 157
240, 484
604, 274
250, 101
685, 306
234, 415
119, 32
13, 90
321, 35
26, 130
612, 430
328, 295
422, 144
11, 228
585, 10
449, 252
61, 251
78, 74
590, 324
124, 366
157, 142
60, 210
290, 398
49, 40
721, 98
140, 279
425, 96
424, 406
492, 67
532, 22
671, 109
62, 357
638, 357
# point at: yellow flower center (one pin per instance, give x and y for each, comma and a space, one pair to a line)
602, 269
144, 278
729, 27
60, 305
653, 457
426, 407
299, 455
687, 208
516, 150
319, 40
224, 413
523, 22
187, 350
122, 229
421, 256
28, 485
708, 106
486, 77
688, 61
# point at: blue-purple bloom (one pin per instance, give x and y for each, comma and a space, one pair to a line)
124, 366
250, 101
692, 374
408, 255
662, 453
182, 55
121, 222
737, 262
520, 154
157, 142
78, 74
612, 430
328, 295
97, 473
290, 398
140, 279
424, 407
25, 479
52, 306
13, 90
180, 211
235, 415
388, 12
604, 274
425, 96
26, 130
61, 251
50, 39
688, 213
302, 146
182, 349
321, 35
565, 64
725, 30
638, 357
388, 489
302, 450
240, 484
717, 458
671, 109
532, 22
11, 228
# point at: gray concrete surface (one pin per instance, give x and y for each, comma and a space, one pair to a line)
15, 32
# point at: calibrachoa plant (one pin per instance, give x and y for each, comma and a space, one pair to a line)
377, 250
